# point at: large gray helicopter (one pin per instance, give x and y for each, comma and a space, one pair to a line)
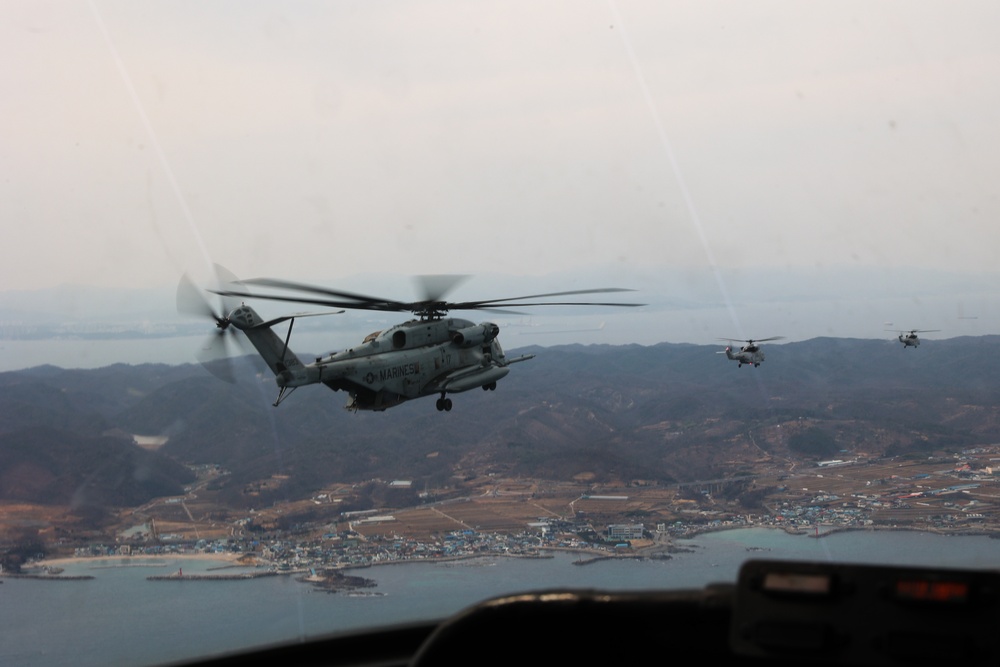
433, 354
750, 353
911, 339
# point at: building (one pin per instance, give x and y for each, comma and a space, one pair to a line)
625, 531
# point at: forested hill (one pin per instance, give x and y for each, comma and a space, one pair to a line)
665, 412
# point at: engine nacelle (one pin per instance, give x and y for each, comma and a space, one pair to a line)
477, 335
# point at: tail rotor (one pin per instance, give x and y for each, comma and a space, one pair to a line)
215, 352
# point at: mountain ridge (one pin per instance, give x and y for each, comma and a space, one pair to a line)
666, 412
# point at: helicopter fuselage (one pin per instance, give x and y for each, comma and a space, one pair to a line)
414, 359
748, 354
418, 358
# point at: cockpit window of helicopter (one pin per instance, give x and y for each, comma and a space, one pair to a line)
742, 257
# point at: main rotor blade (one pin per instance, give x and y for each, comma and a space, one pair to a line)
752, 340
516, 300
600, 290
487, 305
389, 306
433, 288
436, 287
315, 289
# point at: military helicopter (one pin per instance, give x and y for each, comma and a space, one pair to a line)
911, 339
749, 353
433, 354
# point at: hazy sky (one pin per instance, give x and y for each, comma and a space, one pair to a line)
320, 140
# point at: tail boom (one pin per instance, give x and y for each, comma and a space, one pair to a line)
288, 369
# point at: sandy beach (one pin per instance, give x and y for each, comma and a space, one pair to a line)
63, 561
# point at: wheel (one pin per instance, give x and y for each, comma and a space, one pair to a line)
440, 404
447, 404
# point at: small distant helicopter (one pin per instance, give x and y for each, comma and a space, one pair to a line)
433, 354
750, 353
911, 339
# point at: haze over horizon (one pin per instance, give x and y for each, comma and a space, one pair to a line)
751, 170
87, 327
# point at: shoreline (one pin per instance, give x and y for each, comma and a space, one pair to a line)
434, 561
834, 530
585, 555
137, 560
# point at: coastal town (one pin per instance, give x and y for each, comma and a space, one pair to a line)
491, 516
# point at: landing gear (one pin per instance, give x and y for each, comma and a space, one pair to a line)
443, 404
490, 387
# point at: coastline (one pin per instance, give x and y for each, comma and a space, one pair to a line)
145, 560
46, 577
51, 568
834, 530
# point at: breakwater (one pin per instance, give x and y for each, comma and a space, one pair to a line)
239, 576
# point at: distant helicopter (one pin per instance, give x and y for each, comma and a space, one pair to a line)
749, 353
431, 355
911, 339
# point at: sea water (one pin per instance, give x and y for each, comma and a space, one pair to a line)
119, 617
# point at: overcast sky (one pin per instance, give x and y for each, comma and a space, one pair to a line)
320, 140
